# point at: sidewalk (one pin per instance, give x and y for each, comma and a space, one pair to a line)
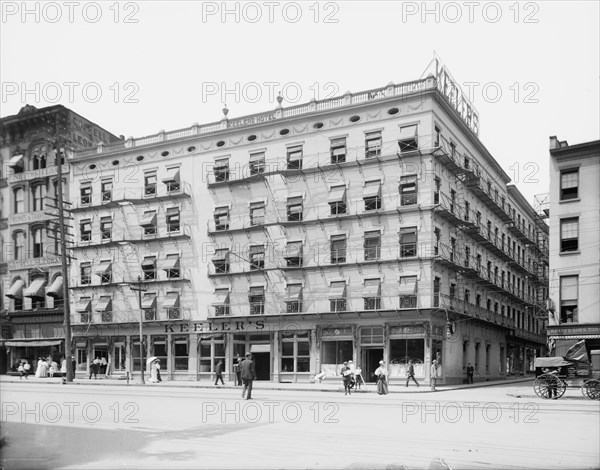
265, 385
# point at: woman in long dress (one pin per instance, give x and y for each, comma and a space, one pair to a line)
382, 384
154, 372
38, 369
43, 369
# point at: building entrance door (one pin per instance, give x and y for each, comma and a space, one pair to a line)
262, 364
370, 362
118, 358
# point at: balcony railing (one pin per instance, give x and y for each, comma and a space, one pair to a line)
465, 308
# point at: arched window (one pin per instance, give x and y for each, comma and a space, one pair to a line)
19, 206
35, 162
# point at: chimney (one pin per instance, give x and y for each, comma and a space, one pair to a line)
553, 142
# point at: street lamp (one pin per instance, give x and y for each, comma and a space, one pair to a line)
140, 288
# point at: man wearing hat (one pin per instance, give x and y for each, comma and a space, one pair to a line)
434, 373
248, 373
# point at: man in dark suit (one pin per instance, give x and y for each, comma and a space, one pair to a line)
248, 373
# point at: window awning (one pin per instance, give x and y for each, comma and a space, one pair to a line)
104, 305
372, 189
338, 193
16, 160
171, 300
222, 297
149, 220
256, 249
56, 289
103, 268
257, 291
148, 262
372, 288
36, 288
149, 301
220, 255
255, 157
337, 290
408, 285
293, 250
294, 292
172, 262
339, 142
84, 305
172, 176
260, 348
408, 132
220, 211
16, 290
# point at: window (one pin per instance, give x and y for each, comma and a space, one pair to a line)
408, 292
372, 294
293, 254
467, 210
85, 193
372, 245
105, 272
436, 193
257, 213
257, 163
438, 235
569, 286
338, 150
149, 306
569, 184
488, 305
257, 257
38, 246
181, 354
488, 348
453, 150
106, 228
338, 249
467, 162
372, 195
337, 200
173, 220
149, 268
294, 157
452, 248
467, 296
256, 299
221, 216
39, 191
85, 229
294, 209
295, 352
171, 305
436, 291
221, 170
438, 135
84, 307
569, 234
104, 306
19, 242
477, 351
467, 256
106, 189
373, 144
148, 223
172, 180
408, 242
337, 296
150, 183
171, 266
409, 139
293, 300
408, 190
452, 200
85, 273
222, 303
452, 290
19, 207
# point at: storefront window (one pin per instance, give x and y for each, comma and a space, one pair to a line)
181, 353
212, 350
81, 359
159, 349
295, 353
334, 354
404, 350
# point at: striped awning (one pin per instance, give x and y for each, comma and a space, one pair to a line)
574, 337
17, 160
56, 289
16, 290
36, 288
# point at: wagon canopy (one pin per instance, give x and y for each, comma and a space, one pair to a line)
551, 362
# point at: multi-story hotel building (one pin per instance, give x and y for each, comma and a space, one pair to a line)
30, 276
369, 226
575, 247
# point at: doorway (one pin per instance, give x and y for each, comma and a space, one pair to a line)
118, 361
262, 364
371, 358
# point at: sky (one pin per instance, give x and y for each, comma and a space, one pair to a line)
530, 68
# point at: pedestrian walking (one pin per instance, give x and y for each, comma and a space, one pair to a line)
153, 372
74, 365
347, 378
470, 372
219, 372
382, 384
158, 370
410, 373
26, 369
248, 374
94, 368
434, 374
238, 371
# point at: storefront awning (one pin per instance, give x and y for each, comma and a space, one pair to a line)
36, 288
574, 337
16, 290
260, 348
171, 300
56, 289
32, 344
172, 176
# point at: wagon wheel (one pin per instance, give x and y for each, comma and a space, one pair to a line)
561, 387
543, 385
591, 389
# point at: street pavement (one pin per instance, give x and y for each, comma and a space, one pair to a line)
91, 426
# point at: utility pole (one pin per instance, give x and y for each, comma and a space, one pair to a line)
59, 153
139, 290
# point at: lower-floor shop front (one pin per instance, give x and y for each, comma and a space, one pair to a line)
298, 350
